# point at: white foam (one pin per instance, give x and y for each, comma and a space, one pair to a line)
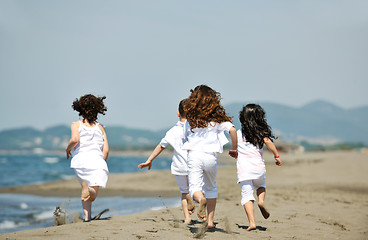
44, 215
23, 205
10, 224
7, 224
51, 160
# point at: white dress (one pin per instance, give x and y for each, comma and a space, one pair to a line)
250, 163
88, 160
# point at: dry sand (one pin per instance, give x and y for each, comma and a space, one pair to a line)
312, 196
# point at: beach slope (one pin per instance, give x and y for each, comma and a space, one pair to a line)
312, 196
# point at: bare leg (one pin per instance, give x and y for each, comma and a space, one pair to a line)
211, 206
261, 193
87, 206
93, 192
249, 210
87, 202
199, 197
85, 193
184, 204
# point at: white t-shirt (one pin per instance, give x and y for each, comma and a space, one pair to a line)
175, 137
88, 152
250, 163
209, 139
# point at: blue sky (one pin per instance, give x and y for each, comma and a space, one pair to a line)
145, 56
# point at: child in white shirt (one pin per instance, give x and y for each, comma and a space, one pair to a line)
206, 123
251, 168
179, 167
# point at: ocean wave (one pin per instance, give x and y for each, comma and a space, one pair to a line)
44, 216
11, 224
23, 205
51, 160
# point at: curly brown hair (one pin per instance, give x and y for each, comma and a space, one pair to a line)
203, 106
89, 106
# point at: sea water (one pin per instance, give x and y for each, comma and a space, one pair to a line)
21, 212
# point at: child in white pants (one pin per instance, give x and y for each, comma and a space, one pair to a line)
179, 167
206, 123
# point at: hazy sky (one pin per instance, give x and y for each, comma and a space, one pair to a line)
146, 55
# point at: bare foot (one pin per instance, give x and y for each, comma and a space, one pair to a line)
211, 226
202, 215
191, 206
264, 211
188, 221
251, 227
85, 192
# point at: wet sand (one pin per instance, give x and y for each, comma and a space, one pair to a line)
321, 195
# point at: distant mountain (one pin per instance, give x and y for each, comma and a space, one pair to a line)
319, 121
56, 138
316, 122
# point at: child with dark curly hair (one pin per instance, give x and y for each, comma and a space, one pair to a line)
91, 149
251, 169
206, 123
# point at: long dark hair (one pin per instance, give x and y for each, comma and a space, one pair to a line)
254, 125
89, 107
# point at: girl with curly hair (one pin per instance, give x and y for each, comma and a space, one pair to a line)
254, 133
91, 149
206, 123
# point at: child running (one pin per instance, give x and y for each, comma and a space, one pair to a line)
205, 126
91, 149
254, 133
179, 168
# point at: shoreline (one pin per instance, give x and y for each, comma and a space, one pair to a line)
320, 195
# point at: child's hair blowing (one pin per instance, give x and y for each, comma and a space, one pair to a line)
89, 107
254, 125
203, 106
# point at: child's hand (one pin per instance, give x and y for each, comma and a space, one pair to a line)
68, 154
146, 164
278, 161
233, 153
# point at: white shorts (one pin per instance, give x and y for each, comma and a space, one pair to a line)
93, 177
247, 187
202, 173
183, 183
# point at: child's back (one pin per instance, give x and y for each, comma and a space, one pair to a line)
250, 162
175, 138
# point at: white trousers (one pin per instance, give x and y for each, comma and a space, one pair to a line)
202, 173
183, 183
247, 187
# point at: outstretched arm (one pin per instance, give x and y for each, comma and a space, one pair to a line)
269, 144
153, 155
74, 139
234, 143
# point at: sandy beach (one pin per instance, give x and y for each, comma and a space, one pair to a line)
321, 195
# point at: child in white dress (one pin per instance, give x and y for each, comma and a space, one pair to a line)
179, 167
251, 168
91, 149
206, 123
